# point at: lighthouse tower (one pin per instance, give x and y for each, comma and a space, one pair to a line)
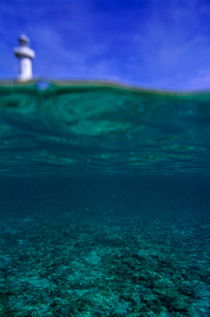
25, 55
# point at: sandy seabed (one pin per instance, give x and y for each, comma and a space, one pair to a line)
73, 266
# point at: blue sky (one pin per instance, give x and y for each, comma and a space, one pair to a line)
151, 43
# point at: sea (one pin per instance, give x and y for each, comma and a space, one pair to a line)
104, 201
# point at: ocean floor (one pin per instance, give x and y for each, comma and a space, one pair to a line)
71, 263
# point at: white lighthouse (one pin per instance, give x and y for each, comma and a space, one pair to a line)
25, 55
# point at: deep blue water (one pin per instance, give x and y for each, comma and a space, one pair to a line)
104, 202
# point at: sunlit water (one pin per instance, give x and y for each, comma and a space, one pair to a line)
105, 207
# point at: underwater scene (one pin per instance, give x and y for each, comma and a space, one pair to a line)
104, 201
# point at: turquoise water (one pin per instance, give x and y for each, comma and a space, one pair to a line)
105, 207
